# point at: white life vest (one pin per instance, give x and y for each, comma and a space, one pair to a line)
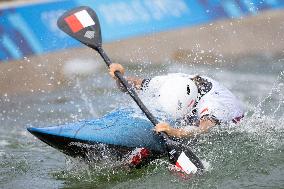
220, 103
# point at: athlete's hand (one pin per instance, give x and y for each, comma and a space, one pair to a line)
163, 127
116, 67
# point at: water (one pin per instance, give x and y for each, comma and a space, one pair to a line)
249, 155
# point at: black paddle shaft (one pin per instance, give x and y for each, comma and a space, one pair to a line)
131, 91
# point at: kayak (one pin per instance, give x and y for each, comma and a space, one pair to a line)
119, 131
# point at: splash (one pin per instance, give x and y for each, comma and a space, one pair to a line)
273, 104
85, 98
99, 175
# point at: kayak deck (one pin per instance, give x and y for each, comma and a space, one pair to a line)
119, 131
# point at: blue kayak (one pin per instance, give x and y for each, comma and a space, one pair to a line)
121, 130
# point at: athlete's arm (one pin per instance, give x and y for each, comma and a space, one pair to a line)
134, 81
204, 125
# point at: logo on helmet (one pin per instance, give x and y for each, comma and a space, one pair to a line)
188, 90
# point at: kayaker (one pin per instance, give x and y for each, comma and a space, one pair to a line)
192, 100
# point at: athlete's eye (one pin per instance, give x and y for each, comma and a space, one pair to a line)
188, 90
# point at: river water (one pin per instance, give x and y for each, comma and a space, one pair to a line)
248, 155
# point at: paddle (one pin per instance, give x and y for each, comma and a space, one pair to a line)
82, 24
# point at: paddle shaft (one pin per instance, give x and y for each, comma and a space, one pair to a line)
131, 91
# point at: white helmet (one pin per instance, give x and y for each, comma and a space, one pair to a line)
177, 95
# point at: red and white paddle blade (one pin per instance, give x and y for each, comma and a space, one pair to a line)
82, 24
185, 164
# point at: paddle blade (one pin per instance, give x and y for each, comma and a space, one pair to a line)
82, 24
184, 158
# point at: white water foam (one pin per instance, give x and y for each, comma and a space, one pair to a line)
4, 143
